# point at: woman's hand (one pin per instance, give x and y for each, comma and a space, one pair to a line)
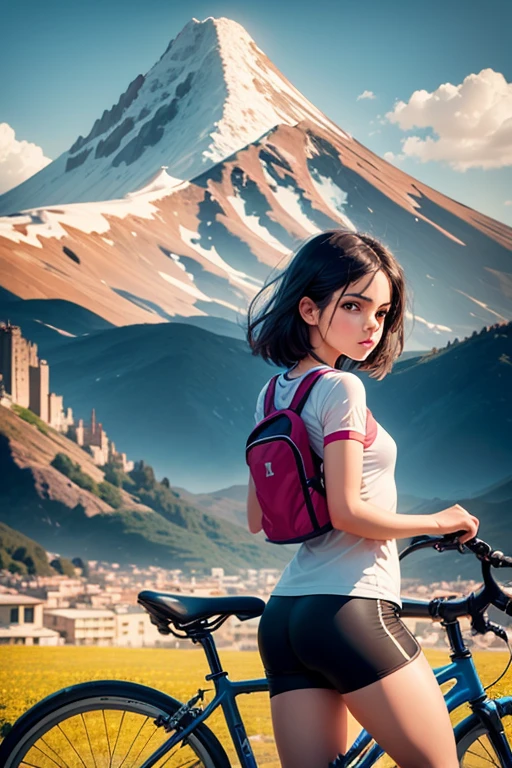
457, 518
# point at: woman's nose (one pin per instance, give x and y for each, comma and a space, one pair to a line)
372, 324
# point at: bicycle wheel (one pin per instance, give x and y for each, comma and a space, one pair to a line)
104, 724
474, 748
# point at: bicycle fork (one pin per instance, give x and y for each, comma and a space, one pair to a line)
488, 711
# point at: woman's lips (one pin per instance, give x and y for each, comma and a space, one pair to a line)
367, 343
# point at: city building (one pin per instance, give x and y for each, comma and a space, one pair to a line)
39, 382
25, 381
82, 626
15, 352
21, 622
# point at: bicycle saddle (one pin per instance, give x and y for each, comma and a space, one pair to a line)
181, 609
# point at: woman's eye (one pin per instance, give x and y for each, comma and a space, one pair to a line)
348, 304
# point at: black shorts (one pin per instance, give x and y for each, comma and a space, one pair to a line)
331, 641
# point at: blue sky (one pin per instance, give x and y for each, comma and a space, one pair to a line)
66, 62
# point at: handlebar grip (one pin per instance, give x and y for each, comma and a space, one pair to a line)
453, 536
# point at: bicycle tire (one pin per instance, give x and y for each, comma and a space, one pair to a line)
471, 741
48, 714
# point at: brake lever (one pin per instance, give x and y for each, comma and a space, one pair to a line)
451, 541
481, 625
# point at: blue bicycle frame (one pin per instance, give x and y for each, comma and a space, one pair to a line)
364, 752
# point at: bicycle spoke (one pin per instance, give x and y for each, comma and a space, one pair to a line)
198, 764
49, 757
108, 740
30, 765
133, 742
54, 752
117, 737
144, 747
483, 745
88, 739
71, 745
480, 757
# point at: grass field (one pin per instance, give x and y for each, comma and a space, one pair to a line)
29, 674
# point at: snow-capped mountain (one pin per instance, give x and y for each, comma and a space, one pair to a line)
211, 93
176, 207
197, 249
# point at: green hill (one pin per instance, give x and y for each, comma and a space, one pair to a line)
154, 526
19, 554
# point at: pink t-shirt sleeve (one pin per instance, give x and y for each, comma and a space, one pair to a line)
343, 412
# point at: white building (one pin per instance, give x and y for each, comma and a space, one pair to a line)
244, 634
82, 626
21, 622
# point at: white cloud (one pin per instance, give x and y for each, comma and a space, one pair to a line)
366, 95
18, 159
472, 122
391, 157
508, 202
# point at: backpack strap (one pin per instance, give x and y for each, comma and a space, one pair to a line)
304, 390
269, 406
301, 395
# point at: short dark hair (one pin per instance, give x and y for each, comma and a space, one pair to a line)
322, 265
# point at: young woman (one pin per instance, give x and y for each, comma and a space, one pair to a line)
330, 637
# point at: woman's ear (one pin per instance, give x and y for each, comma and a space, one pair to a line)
308, 310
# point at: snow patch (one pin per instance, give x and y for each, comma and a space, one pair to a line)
252, 222
333, 196
87, 217
192, 290
59, 330
187, 235
290, 201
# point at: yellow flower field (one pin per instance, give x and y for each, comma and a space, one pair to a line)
29, 674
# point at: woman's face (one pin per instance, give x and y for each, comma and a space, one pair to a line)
356, 318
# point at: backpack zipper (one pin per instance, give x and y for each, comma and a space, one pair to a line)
302, 473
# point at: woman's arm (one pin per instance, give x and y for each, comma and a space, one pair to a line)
254, 513
343, 467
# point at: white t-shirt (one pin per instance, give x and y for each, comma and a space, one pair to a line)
337, 562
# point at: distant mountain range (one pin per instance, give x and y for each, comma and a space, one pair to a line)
191, 394
493, 507
494, 511
451, 415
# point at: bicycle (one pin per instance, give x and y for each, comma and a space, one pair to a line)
160, 730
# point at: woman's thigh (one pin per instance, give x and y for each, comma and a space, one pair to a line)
365, 650
310, 719
406, 714
311, 727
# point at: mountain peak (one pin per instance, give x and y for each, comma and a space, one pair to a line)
211, 93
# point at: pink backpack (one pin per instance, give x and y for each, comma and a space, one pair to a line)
287, 473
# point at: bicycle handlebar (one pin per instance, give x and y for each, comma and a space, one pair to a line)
476, 603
